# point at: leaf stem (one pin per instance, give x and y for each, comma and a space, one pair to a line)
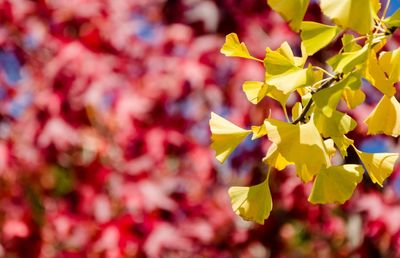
386, 9
285, 112
269, 172
323, 70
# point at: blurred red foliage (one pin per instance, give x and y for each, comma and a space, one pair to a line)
104, 141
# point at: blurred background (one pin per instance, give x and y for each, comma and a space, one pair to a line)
104, 138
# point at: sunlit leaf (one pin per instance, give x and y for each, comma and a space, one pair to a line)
327, 99
277, 63
378, 165
233, 47
291, 80
315, 35
299, 144
352, 14
390, 62
385, 118
342, 143
296, 110
335, 184
258, 131
353, 98
283, 72
330, 147
255, 91
252, 203
291, 10
394, 20
338, 124
377, 75
349, 44
225, 136
347, 61
275, 159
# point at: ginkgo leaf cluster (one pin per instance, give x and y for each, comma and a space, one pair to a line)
317, 129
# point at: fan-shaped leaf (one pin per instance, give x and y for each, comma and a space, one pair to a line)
335, 184
233, 47
385, 118
291, 10
379, 165
315, 35
252, 203
352, 14
225, 136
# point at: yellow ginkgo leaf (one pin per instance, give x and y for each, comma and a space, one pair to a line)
255, 91
352, 14
225, 136
347, 61
251, 203
296, 110
233, 47
316, 35
378, 165
277, 95
285, 72
299, 144
258, 131
330, 147
329, 98
286, 51
275, 159
349, 43
291, 80
343, 143
376, 74
385, 118
338, 124
336, 184
390, 62
292, 11
394, 20
278, 62
353, 98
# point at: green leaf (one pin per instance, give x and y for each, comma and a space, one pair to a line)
327, 99
352, 14
347, 61
299, 144
335, 184
292, 11
385, 118
252, 203
379, 165
225, 136
315, 35
234, 48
